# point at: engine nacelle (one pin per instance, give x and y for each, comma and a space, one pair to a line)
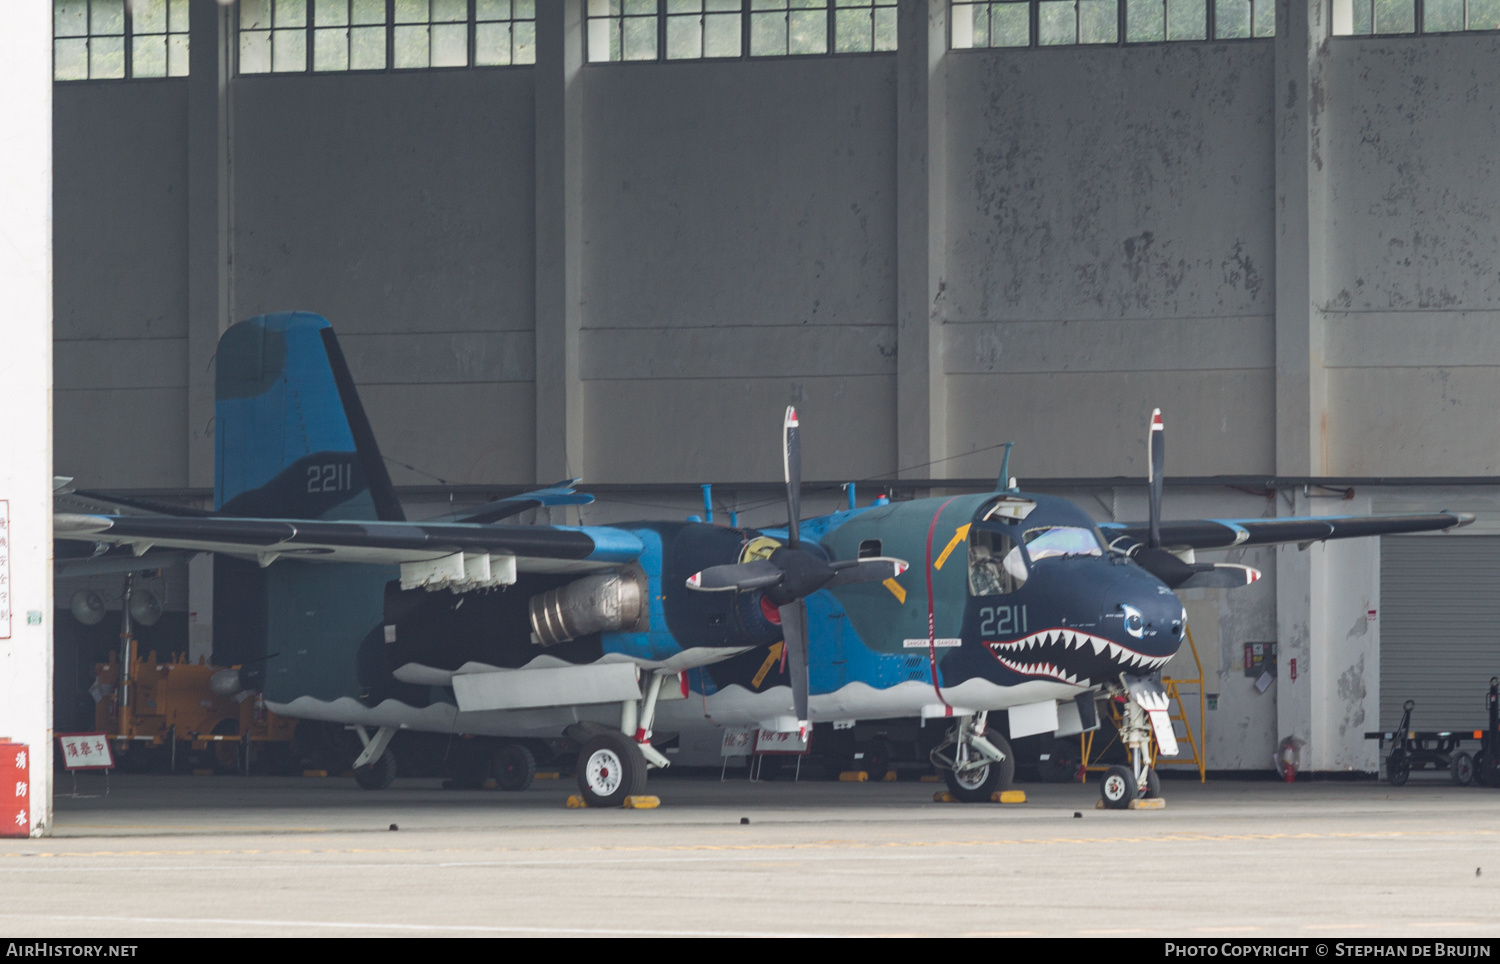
593, 604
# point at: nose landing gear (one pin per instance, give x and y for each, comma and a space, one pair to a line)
1123, 785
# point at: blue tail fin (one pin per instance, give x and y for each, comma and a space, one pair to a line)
291, 440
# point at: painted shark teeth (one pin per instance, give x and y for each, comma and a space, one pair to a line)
1014, 654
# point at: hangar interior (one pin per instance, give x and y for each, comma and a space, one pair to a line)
612, 239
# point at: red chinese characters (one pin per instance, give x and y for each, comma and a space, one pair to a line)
15, 790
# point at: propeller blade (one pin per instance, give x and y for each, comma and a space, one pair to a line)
1192, 575
1157, 450
755, 574
794, 635
873, 569
791, 463
1223, 575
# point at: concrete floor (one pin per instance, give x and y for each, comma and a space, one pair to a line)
225, 856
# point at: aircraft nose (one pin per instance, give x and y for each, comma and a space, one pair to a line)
1151, 619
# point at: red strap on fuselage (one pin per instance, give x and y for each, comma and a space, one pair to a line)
931, 620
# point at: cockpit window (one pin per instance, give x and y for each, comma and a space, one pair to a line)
996, 564
1052, 541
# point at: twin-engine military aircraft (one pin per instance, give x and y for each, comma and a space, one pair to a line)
344, 611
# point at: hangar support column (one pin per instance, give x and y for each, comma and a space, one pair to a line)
209, 221
921, 234
210, 267
1305, 578
559, 240
26, 394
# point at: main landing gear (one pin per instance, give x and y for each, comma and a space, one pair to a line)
975, 764
1122, 784
612, 764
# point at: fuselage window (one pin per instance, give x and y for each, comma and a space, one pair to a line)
869, 549
1053, 541
996, 564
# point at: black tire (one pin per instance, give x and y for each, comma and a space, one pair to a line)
1397, 769
1462, 769
1486, 772
1117, 788
877, 760
979, 784
377, 775
610, 768
515, 767
1152, 789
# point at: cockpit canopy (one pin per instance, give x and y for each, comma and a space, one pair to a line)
1010, 535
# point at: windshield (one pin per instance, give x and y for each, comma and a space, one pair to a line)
1062, 541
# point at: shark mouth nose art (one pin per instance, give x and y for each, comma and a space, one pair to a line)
1071, 657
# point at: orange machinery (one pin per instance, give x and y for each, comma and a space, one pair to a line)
160, 708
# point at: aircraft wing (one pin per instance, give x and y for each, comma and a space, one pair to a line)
535, 548
1233, 533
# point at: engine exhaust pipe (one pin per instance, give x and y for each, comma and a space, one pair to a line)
593, 604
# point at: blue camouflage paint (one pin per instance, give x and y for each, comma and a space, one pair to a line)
298, 412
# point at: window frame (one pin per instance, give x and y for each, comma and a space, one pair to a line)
471, 24
127, 37
1122, 24
746, 12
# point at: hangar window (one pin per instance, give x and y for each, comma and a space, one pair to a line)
1045, 23
652, 30
110, 39
1374, 17
294, 36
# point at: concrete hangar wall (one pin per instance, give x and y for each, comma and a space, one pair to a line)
623, 270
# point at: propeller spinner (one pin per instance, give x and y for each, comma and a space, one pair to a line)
791, 574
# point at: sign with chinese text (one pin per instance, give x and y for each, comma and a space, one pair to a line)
15, 790
770, 741
738, 741
86, 751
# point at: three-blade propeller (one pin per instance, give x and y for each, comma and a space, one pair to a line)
1165, 565
791, 573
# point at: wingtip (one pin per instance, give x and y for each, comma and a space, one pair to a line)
1464, 518
791, 416
695, 580
1156, 424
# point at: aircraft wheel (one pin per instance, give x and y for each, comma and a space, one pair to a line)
1152, 789
1397, 769
610, 768
377, 775
978, 784
1117, 788
515, 767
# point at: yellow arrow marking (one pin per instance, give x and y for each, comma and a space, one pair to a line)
959, 535
766, 666
896, 590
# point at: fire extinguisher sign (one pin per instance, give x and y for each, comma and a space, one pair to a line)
15, 790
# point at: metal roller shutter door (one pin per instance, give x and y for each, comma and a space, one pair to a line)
1439, 628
